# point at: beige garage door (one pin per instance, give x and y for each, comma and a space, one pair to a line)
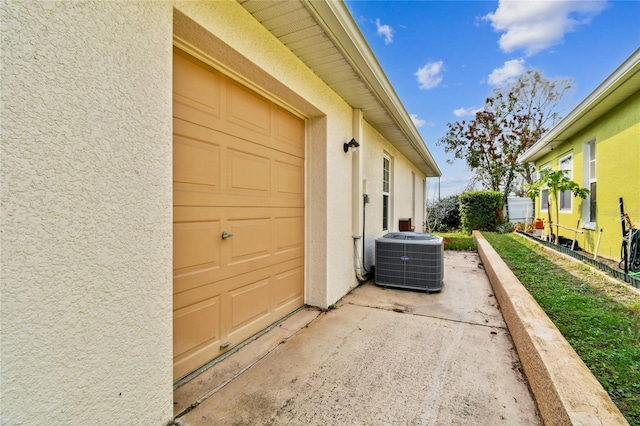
238, 188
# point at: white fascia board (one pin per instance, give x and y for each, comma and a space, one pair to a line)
340, 26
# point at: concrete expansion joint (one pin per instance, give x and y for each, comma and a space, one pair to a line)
408, 311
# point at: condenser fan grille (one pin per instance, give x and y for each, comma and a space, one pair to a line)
409, 260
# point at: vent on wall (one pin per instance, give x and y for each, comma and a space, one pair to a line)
410, 260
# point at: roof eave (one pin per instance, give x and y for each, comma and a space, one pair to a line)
589, 109
338, 23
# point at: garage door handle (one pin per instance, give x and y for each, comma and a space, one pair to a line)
226, 235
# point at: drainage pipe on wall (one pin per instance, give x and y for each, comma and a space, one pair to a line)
358, 197
362, 274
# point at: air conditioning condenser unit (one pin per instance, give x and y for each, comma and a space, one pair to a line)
410, 260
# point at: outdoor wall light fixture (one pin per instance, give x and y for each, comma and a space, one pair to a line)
352, 144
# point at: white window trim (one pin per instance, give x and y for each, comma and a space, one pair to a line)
570, 176
386, 226
587, 179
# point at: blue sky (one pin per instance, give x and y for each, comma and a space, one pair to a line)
445, 57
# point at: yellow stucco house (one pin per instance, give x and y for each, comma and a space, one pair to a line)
598, 143
176, 176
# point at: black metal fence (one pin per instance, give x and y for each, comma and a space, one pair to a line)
614, 272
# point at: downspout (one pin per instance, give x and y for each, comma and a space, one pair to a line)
362, 274
358, 193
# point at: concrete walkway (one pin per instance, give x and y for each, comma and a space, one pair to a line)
383, 357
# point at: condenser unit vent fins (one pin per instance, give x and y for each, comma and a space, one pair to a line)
410, 260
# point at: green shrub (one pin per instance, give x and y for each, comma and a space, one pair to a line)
444, 215
480, 210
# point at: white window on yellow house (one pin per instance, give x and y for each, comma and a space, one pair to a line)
544, 194
589, 181
566, 197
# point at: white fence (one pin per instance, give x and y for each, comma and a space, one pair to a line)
520, 209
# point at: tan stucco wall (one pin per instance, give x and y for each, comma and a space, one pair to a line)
375, 148
86, 213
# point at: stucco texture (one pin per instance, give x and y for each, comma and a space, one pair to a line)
86, 213
402, 203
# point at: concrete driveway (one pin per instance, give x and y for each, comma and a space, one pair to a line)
382, 357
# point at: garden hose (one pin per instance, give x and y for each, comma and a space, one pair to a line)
631, 236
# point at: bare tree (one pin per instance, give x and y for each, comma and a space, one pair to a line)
511, 121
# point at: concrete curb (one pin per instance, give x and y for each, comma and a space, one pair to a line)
564, 388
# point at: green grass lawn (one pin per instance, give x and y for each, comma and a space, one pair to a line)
604, 332
459, 241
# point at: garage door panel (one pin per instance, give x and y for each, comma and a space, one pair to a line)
198, 246
251, 240
191, 296
197, 91
289, 180
289, 132
248, 110
287, 288
192, 160
248, 304
248, 174
183, 214
289, 234
197, 164
195, 327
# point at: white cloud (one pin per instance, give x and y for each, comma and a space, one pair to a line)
417, 121
429, 75
464, 112
509, 71
533, 26
420, 122
386, 31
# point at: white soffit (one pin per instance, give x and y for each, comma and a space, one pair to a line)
324, 36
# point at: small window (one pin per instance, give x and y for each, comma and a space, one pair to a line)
386, 192
544, 193
589, 181
592, 181
566, 197
544, 199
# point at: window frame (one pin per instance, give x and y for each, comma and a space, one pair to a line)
386, 192
544, 207
589, 215
566, 195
